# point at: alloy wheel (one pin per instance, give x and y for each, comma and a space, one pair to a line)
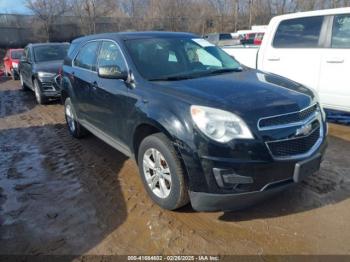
70, 117
21, 79
157, 173
37, 92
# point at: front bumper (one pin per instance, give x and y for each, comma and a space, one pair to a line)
236, 176
201, 201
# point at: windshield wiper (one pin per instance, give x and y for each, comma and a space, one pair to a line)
225, 70
172, 78
197, 74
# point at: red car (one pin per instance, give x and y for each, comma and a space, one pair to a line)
254, 38
11, 61
258, 38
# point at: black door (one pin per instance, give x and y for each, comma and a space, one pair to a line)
110, 95
85, 75
26, 67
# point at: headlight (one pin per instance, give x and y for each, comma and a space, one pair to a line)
317, 99
14, 65
46, 74
219, 125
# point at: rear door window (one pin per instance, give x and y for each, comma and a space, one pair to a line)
87, 56
299, 33
341, 31
30, 55
71, 49
25, 53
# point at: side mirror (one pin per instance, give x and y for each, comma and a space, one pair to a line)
112, 72
23, 59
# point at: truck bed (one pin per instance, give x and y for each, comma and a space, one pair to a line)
246, 55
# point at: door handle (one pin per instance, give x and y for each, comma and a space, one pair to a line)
274, 58
335, 60
72, 76
94, 85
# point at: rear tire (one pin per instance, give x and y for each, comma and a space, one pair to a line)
162, 173
74, 128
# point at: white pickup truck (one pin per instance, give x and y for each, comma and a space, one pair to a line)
312, 48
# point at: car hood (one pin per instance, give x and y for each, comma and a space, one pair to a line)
49, 66
251, 94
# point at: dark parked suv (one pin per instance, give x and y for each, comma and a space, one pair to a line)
200, 126
38, 68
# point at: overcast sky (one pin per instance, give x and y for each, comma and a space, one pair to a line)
13, 7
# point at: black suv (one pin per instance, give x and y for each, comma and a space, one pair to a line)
201, 127
38, 68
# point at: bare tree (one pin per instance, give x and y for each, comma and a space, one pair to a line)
198, 16
250, 8
236, 12
89, 11
48, 11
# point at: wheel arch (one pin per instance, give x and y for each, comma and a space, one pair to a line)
151, 127
66, 90
145, 129
64, 96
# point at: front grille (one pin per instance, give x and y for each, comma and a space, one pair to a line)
48, 86
295, 146
287, 118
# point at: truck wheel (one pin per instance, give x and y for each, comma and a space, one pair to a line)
38, 94
23, 85
162, 173
75, 129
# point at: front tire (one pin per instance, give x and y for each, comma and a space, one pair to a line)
162, 173
14, 75
40, 98
74, 128
23, 85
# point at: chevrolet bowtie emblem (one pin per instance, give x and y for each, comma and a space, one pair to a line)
304, 130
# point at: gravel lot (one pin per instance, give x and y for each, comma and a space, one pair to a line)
59, 195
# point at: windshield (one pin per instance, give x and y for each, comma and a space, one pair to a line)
16, 54
50, 52
176, 58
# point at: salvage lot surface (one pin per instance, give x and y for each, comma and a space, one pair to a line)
59, 195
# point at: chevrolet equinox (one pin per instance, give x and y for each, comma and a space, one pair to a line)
201, 127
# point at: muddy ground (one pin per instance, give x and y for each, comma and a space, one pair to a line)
60, 195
